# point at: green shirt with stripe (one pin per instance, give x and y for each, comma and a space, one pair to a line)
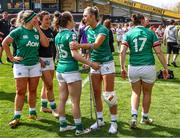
28, 43
141, 41
103, 53
66, 62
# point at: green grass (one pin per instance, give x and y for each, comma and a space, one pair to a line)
165, 109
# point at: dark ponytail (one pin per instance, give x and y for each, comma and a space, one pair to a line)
64, 18
136, 19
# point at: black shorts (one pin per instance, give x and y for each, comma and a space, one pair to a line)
172, 47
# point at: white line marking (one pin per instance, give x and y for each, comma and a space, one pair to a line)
85, 81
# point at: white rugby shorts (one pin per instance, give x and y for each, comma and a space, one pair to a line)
68, 77
145, 73
21, 71
106, 68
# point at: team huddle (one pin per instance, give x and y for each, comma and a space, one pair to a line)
35, 55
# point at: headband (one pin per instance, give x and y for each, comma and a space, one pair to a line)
29, 18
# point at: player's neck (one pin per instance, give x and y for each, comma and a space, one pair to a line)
93, 25
44, 27
28, 26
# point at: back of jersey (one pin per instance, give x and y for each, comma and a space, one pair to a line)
141, 41
66, 62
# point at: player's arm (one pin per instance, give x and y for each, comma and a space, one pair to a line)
161, 58
98, 42
43, 39
78, 57
122, 57
5, 44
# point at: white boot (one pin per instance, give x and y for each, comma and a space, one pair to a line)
113, 128
55, 114
96, 125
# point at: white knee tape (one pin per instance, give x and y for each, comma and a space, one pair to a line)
110, 98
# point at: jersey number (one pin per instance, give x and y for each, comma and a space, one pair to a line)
62, 53
142, 44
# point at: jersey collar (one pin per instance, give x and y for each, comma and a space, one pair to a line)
64, 29
138, 26
96, 26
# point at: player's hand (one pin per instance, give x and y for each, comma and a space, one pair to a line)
43, 65
165, 74
1, 33
74, 45
123, 74
15, 59
36, 24
95, 65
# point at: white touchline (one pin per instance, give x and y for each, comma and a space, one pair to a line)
85, 81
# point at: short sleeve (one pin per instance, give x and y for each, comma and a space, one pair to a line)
125, 40
103, 31
73, 37
155, 40
14, 34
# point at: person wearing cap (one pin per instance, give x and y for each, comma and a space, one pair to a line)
27, 70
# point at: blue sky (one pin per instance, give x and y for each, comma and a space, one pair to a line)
160, 3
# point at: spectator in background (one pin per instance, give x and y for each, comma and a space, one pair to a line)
82, 38
4, 30
153, 28
13, 26
119, 34
55, 22
159, 31
171, 37
125, 27
107, 23
146, 22
131, 26
179, 37
55, 28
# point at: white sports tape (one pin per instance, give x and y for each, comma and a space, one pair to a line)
110, 98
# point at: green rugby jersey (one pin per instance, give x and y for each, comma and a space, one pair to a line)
141, 41
102, 53
27, 42
66, 62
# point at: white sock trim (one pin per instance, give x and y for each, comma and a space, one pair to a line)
17, 112
144, 114
134, 111
44, 100
77, 121
99, 114
32, 109
113, 117
62, 118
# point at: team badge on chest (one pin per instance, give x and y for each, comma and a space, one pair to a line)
36, 36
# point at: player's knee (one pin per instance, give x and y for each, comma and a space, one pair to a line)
110, 98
